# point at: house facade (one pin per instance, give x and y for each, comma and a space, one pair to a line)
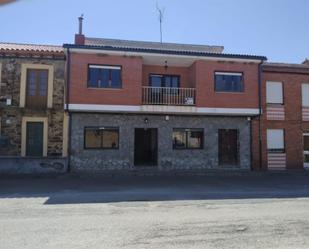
33, 125
102, 105
285, 117
139, 105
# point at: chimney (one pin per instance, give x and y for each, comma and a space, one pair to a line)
306, 62
80, 38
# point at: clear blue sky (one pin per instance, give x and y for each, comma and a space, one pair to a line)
278, 29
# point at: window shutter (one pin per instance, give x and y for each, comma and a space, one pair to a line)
274, 93
275, 139
305, 94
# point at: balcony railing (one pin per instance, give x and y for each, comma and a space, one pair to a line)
168, 96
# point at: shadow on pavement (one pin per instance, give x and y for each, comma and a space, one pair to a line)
76, 190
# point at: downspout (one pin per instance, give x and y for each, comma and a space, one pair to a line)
68, 77
260, 113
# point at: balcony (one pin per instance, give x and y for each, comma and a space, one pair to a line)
168, 96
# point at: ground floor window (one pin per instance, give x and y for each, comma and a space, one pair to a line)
101, 138
188, 138
275, 140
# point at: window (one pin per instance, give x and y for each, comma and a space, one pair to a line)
274, 92
104, 76
275, 140
188, 138
36, 86
36, 91
305, 94
229, 82
101, 138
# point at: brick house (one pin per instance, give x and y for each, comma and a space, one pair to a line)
138, 105
103, 105
33, 125
285, 119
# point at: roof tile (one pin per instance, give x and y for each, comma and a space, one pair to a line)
14, 47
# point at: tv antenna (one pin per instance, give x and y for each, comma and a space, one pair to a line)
160, 15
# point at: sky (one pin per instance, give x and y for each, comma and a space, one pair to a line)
278, 29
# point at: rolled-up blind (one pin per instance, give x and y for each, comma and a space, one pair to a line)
305, 94
274, 93
275, 139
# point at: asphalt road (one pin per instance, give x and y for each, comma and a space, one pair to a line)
251, 211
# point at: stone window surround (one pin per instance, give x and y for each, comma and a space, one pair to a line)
24, 133
23, 82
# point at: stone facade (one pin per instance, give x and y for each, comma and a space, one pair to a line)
168, 158
11, 115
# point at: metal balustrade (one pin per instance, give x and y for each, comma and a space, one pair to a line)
168, 96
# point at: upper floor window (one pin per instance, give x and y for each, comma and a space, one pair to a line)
36, 86
274, 92
305, 95
36, 90
229, 82
104, 76
275, 140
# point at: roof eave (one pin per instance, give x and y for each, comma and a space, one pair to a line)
169, 52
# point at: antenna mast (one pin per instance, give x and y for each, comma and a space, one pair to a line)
161, 15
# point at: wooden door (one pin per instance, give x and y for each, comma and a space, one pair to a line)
34, 139
228, 147
37, 84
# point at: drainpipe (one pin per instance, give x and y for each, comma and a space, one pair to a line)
68, 67
260, 113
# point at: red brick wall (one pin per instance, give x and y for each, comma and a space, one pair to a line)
129, 94
206, 95
293, 124
135, 74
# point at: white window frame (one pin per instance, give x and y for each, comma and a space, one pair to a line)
269, 97
105, 67
241, 74
305, 103
275, 146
